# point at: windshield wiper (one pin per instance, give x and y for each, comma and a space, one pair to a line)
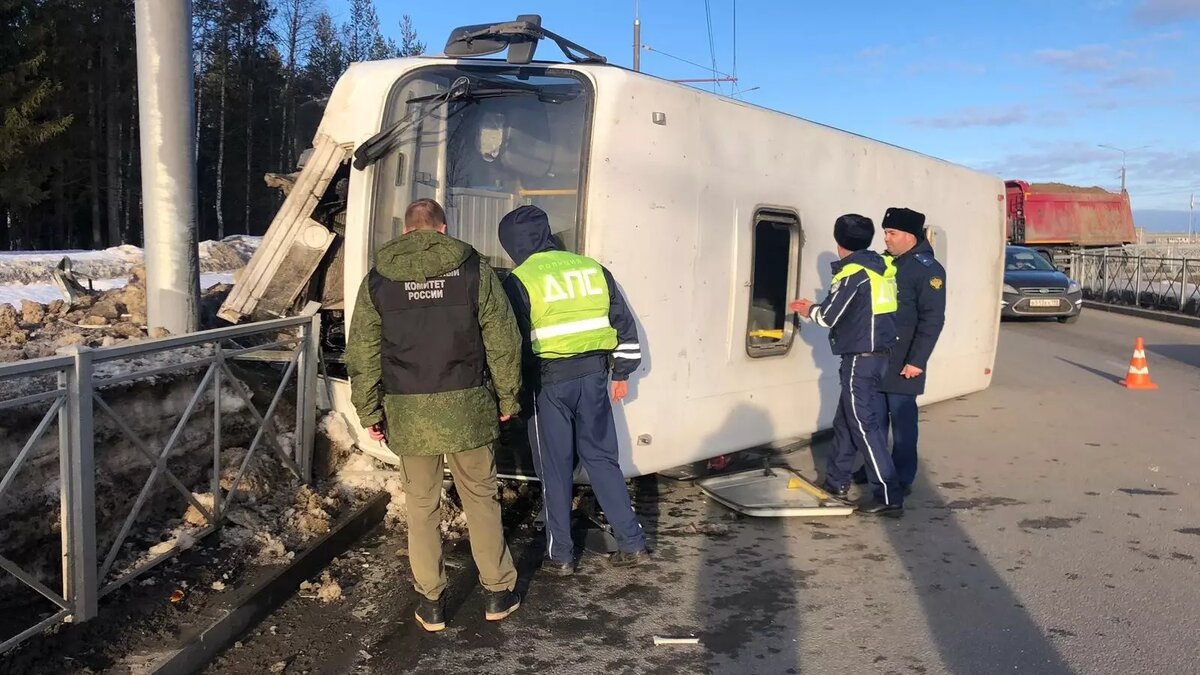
384, 142
379, 145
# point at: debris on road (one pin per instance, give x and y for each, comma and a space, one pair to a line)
327, 590
676, 641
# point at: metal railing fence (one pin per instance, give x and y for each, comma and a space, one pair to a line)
1150, 282
76, 402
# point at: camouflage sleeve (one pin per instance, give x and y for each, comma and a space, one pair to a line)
363, 359
501, 339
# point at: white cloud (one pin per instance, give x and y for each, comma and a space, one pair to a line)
1160, 12
1154, 174
1085, 58
1138, 77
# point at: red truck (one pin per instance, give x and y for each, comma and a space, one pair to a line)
1056, 216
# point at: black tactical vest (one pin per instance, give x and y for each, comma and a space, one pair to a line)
431, 338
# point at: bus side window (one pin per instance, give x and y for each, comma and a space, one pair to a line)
774, 274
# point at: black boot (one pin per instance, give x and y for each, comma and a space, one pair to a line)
499, 604
431, 614
881, 509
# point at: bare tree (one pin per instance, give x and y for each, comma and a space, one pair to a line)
297, 27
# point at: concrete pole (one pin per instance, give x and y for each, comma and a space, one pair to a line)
166, 115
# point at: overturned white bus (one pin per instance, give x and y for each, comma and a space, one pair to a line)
711, 213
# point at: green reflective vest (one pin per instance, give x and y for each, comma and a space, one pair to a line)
568, 304
883, 286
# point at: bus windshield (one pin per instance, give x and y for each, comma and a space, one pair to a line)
483, 141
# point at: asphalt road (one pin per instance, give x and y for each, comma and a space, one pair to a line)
1055, 528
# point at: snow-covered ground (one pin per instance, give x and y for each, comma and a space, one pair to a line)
27, 275
13, 294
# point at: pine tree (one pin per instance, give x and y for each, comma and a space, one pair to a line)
26, 120
326, 59
363, 39
70, 162
409, 44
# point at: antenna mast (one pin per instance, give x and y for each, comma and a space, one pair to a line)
637, 36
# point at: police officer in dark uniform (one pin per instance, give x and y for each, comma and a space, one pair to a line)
921, 285
580, 332
859, 313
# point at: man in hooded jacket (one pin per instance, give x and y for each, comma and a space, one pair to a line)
434, 358
575, 322
860, 315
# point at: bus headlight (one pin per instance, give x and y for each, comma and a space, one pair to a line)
1074, 287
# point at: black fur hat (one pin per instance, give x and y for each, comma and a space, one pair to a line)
905, 220
853, 232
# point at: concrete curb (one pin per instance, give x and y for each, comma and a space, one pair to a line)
254, 604
1153, 315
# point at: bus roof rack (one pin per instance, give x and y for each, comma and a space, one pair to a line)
519, 37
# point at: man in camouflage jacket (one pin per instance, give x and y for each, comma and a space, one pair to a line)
434, 357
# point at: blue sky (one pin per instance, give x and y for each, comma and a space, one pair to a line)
1021, 89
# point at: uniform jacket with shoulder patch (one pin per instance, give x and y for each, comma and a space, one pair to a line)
921, 286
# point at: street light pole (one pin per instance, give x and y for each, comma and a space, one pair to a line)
637, 36
166, 115
1123, 153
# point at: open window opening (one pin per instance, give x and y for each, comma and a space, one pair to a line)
773, 282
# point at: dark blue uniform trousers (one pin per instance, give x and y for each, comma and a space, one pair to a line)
572, 417
861, 428
902, 409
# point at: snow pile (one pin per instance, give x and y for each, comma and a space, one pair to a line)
28, 275
362, 474
31, 330
327, 590
31, 267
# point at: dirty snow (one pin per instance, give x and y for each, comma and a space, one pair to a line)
326, 590
28, 275
14, 293
362, 473
34, 267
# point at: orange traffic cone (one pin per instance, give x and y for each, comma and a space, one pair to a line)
1139, 373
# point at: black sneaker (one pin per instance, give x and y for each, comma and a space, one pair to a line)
628, 558
557, 568
880, 509
431, 614
499, 604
